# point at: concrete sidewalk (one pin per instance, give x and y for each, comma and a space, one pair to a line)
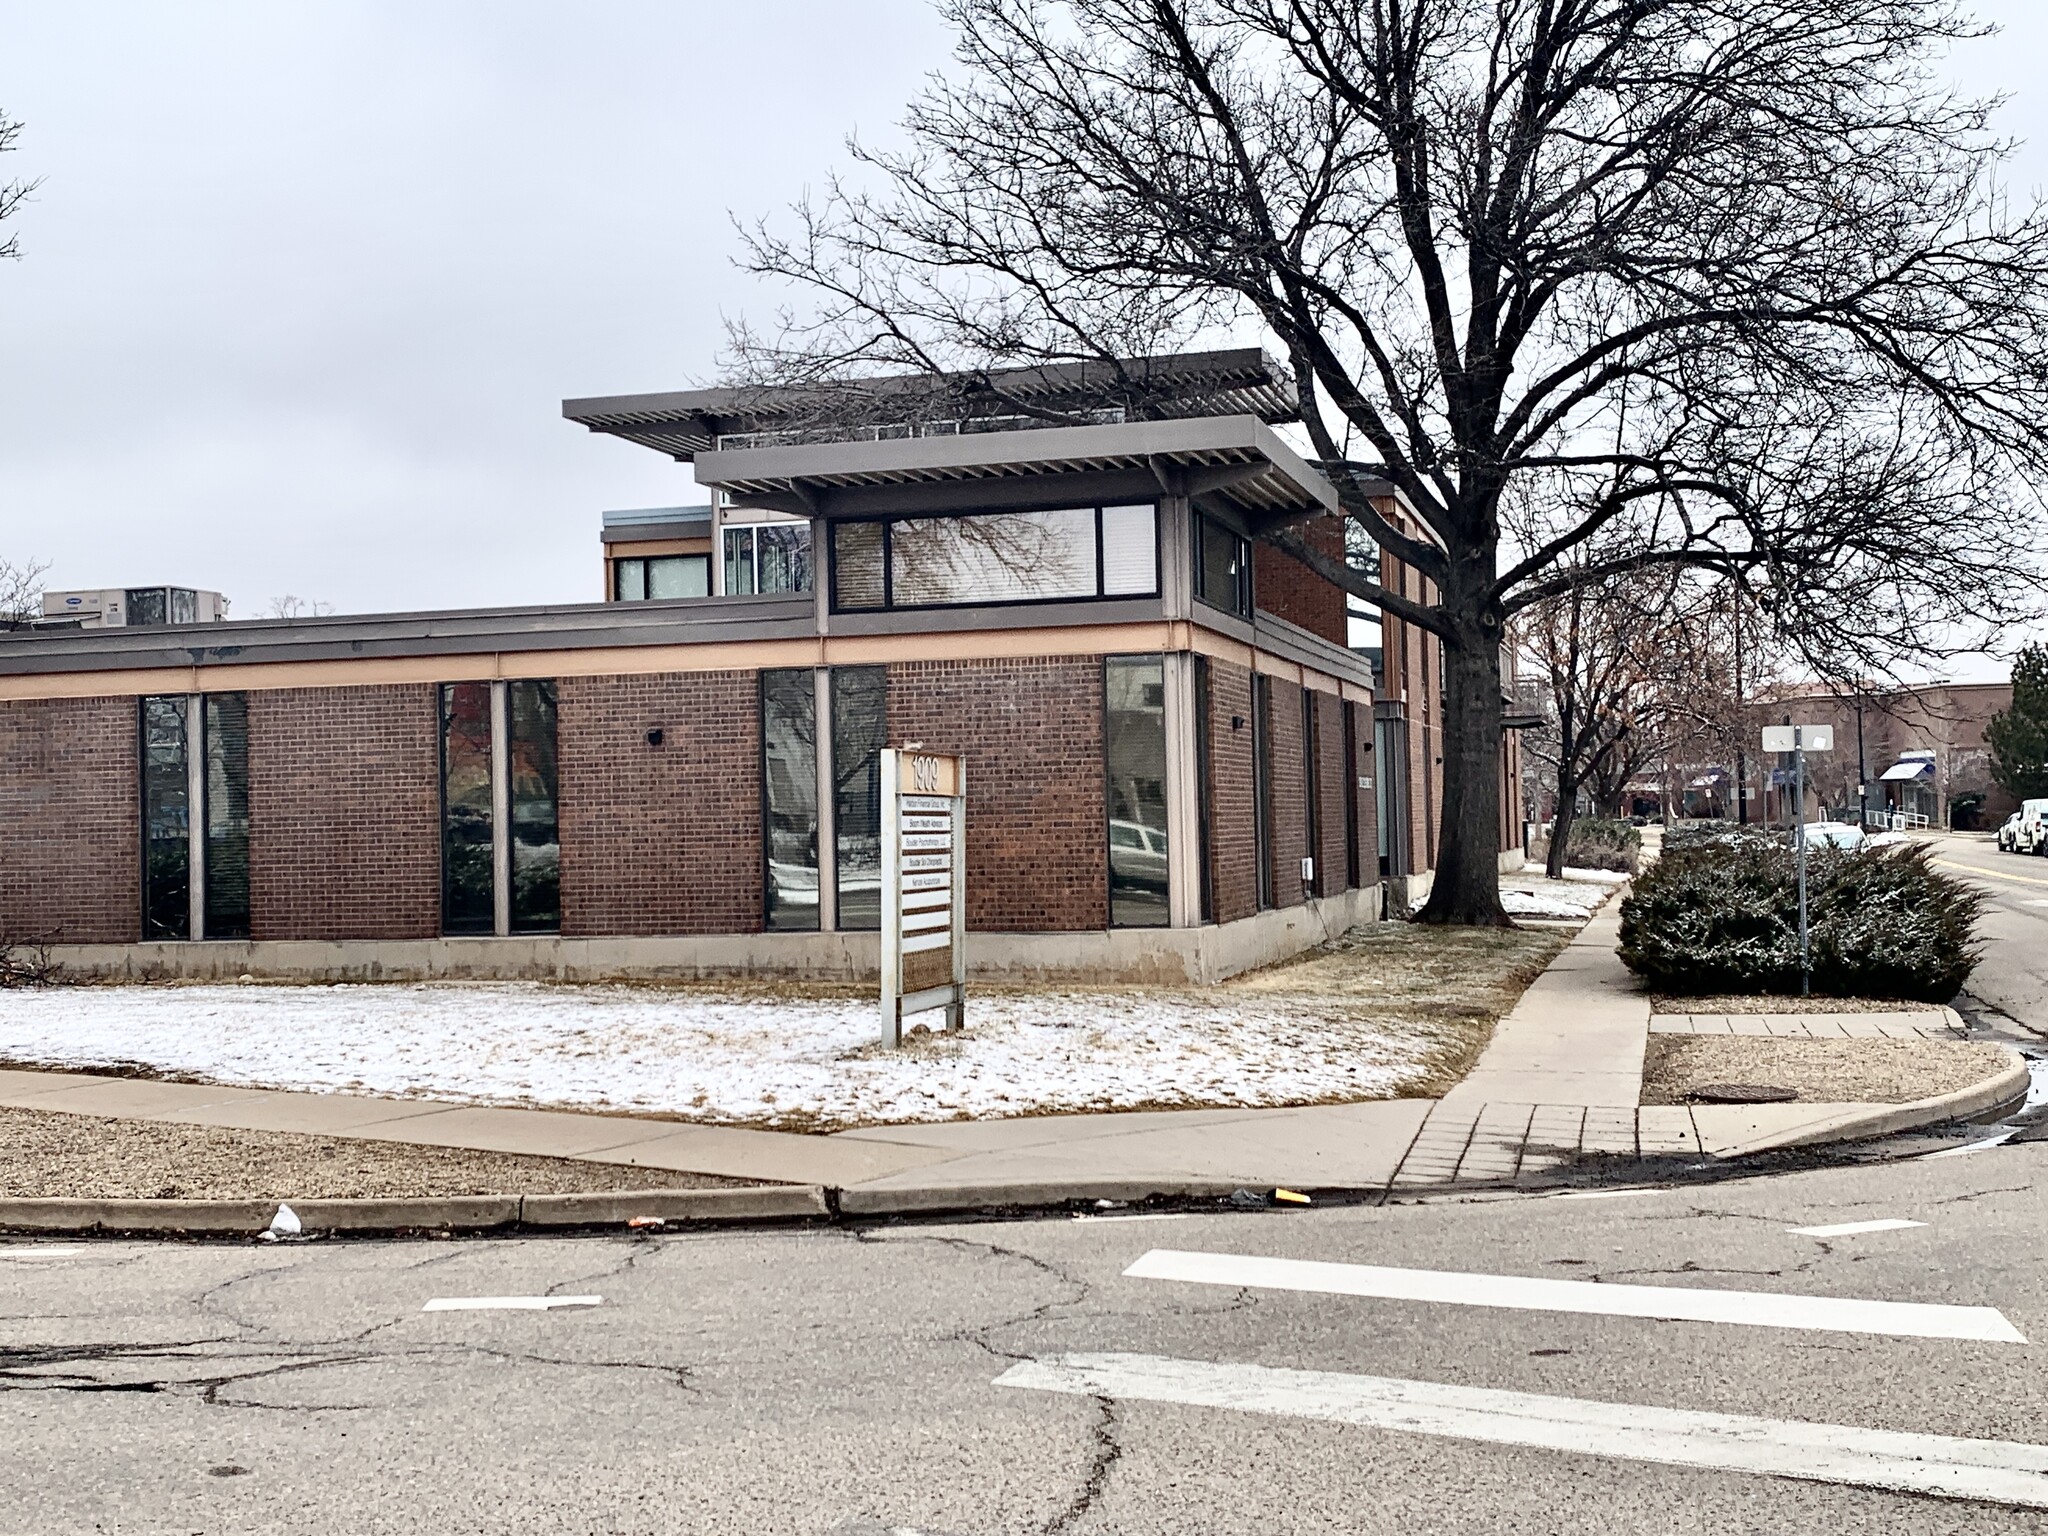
1559, 1081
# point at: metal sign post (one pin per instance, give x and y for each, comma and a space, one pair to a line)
924, 887
1800, 740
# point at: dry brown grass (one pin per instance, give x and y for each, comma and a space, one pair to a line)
92, 1157
1819, 1071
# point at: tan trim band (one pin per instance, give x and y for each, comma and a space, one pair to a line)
733, 656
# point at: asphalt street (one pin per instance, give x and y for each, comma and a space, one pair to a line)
2013, 977
1693, 1358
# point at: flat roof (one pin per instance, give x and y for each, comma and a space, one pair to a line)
1238, 456
685, 423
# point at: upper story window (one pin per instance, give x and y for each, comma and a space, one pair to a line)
1223, 567
655, 576
768, 557
1071, 553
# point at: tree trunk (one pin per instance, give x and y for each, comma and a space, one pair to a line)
1561, 831
1466, 891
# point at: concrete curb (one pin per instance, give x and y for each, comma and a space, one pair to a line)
938, 1199
449, 1213
1986, 1096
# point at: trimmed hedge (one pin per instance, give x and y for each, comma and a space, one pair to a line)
1598, 842
1724, 918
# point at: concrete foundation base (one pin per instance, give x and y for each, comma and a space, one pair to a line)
1168, 955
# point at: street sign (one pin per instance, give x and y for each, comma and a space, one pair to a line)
924, 887
1799, 738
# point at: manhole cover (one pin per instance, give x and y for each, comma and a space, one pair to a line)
1742, 1093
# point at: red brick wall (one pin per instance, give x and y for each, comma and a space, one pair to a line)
70, 820
660, 839
1287, 589
345, 812
1289, 827
1031, 730
1233, 872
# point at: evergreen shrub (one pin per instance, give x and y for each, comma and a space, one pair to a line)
1723, 917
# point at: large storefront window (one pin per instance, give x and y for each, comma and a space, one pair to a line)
536, 847
227, 815
467, 885
789, 793
195, 816
860, 729
1068, 554
1134, 737
166, 820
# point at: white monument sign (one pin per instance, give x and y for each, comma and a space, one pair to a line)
924, 887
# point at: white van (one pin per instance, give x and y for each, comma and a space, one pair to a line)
2031, 835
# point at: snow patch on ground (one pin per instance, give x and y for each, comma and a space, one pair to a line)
730, 1059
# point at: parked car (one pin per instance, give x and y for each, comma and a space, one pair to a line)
1834, 834
2008, 834
2031, 836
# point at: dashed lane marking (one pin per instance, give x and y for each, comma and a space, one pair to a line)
1856, 1228
508, 1303
1756, 1309
47, 1251
1941, 1466
1989, 874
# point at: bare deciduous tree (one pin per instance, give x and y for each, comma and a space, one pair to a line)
21, 591
1620, 663
293, 607
1597, 285
12, 193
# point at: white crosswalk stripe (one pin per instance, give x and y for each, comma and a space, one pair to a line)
1998, 1471
1756, 1309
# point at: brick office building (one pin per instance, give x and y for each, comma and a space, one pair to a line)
1171, 752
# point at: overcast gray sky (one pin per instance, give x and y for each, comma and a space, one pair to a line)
305, 284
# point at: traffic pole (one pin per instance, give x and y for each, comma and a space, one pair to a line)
1799, 842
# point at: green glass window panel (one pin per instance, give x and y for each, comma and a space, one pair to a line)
1006, 557
739, 561
466, 875
857, 565
860, 729
671, 576
536, 844
789, 797
227, 816
166, 821
1223, 570
1134, 737
783, 557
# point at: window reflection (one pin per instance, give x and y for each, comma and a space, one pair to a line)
166, 821
1134, 730
227, 815
661, 576
860, 729
789, 792
536, 849
466, 883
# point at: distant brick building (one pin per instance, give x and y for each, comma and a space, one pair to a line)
1176, 767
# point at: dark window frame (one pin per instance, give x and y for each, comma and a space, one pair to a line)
1262, 788
1108, 852
620, 562
1311, 792
442, 697
839, 904
768, 923
182, 929
1244, 598
1351, 870
888, 519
